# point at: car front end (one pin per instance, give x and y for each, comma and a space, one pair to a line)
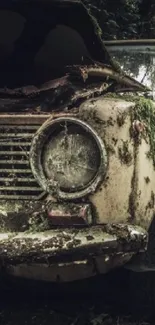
77, 162
68, 190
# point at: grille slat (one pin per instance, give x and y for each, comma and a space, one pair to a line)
15, 135
16, 178
16, 171
12, 143
19, 188
21, 197
14, 153
30, 128
13, 162
22, 179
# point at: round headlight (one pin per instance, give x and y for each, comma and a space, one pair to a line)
68, 158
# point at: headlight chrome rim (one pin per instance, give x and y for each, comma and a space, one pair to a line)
37, 146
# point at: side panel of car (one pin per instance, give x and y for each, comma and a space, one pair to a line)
126, 194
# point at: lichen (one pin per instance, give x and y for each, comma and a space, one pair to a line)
110, 121
91, 117
134, 185
121, 119
147, 179
110, 149
124, 153
151, 202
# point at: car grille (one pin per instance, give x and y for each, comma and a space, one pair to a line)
16, 178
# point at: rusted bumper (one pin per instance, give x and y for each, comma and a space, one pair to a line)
70, 254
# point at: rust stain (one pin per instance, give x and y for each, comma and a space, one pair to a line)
69, 214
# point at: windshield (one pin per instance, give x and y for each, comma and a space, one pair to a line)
136, 60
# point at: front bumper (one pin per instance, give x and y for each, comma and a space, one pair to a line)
69, 254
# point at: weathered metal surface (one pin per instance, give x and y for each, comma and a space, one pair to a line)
113, 124
110, 117
23, 120
101, 71
96, 70
145, 262
31, 91
71, 271
70, 244
127, 193
21, 215
69, 214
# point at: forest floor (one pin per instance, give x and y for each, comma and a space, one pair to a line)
100, 301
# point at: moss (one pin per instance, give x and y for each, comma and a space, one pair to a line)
145, 112
97, 28
129, 97
38, 223
126, 97
124, 153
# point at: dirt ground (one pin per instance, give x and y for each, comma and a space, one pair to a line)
99, 301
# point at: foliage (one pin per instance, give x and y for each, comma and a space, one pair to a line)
122, 19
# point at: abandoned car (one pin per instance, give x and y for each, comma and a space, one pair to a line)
77, 177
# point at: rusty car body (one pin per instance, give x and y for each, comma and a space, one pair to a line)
76, 182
